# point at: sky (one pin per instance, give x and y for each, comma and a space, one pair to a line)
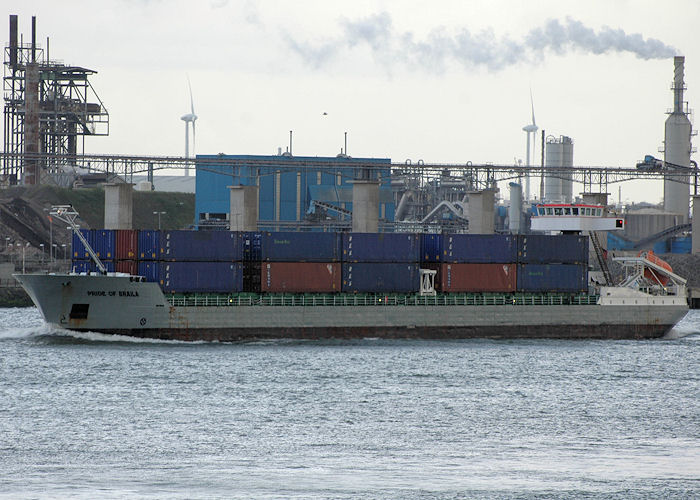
439, 81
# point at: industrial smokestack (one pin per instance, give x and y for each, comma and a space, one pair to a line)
677, 148
33, 38
13, 40
678, 84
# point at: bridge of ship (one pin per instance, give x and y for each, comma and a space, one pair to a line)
574, 217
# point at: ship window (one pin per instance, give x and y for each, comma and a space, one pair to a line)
79, 311
549, 211
588, 211
567, 211
574, 211
598, 212
557, 211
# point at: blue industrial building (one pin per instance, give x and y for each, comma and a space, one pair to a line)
286, 191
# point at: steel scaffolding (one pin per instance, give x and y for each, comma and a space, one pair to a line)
49, 109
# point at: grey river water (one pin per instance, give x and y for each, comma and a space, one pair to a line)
95, 416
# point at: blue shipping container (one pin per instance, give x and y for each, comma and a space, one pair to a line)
103, 243
148, 244
381, 247
300, 247
479, 248
552, 278
210, 246
546, 249
221, 277
88, 266
431, 247
78, 250
150, 270
374, 277
252, 246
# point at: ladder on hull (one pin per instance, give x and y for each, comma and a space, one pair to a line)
602, 261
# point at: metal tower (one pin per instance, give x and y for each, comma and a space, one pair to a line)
49, 109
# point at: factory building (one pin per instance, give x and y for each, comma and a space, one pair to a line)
291, 189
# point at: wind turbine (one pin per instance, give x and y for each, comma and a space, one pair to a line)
531, 128
190, 118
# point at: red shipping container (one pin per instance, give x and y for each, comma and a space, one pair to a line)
126, 266
477, 278
127, 244
298, 277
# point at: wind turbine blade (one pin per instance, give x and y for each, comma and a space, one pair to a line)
191, 99
532, 103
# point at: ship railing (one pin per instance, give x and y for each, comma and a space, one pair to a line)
360, 300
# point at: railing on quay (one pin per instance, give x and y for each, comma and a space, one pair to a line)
360, 300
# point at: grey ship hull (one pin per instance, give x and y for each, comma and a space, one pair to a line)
123, 305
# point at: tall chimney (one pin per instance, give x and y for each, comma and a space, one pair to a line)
13, 40
33, 38
678, 84
677, 148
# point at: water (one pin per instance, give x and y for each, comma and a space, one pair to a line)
89, 415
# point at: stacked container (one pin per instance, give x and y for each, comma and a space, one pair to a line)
315, 262
381, 262
126, 251
300, 262
202, 277
251, 261
148, 244
201, 261
103, 243
552, 263
201, 246
476, 263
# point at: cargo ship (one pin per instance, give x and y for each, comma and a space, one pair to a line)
238, 286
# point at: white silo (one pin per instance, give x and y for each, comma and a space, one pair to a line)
516, 208
559, 154
677, 147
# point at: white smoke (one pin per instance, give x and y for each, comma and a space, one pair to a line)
473, 50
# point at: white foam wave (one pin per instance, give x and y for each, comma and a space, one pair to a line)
688, 326
109, 337
24, 333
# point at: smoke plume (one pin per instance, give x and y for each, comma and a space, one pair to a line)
473, 50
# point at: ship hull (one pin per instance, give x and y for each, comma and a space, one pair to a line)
124, 306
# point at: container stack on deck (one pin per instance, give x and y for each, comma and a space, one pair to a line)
472, 262
300, 262
317, 262
552, 263
201, 261
381, 262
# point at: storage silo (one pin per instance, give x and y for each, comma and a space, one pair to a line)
559, 154
677, 148
516, 208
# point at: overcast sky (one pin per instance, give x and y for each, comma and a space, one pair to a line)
445, 81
